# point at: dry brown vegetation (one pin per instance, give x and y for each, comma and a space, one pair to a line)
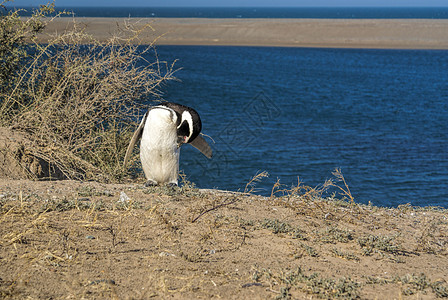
74, 100
73, 240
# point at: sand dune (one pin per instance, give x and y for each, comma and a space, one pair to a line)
339, 33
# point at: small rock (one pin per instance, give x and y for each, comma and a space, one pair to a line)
166, 254
108, 281
251, 284
90, 237
124, 197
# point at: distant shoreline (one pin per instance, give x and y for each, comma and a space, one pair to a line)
322, 33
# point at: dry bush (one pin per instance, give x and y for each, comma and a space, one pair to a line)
77, 98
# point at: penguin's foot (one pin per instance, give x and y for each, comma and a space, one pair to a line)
172, 185
150, 182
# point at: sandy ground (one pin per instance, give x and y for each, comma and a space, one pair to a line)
86, 240
354, 33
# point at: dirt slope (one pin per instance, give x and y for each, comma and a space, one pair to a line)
73, 240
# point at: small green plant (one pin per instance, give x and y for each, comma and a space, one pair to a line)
326, 288
345, 255
309, 250
376, 243
440, 289
418, 282
414, 283
66, 204
89, 191
276, 226
329, 288
163, 190
333, 235
284, 293
244, 222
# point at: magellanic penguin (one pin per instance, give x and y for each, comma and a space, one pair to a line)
163, 130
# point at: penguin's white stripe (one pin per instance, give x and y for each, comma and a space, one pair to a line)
186, 116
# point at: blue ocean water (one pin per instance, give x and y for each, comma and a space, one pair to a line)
379, 115
260, 12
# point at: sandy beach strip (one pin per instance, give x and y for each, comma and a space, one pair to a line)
328, 33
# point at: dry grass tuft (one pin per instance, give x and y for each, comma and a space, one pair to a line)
77, 99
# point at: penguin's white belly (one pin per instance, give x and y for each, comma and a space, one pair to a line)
159, 152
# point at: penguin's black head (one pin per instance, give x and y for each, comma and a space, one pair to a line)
189, 127
189, 123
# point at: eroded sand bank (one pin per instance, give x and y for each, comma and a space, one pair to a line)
338, 33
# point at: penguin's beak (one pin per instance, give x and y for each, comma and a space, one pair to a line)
182, 140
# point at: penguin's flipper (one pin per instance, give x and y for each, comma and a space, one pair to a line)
137, 135
202, 145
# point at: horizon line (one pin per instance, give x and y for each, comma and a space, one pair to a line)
244, 6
